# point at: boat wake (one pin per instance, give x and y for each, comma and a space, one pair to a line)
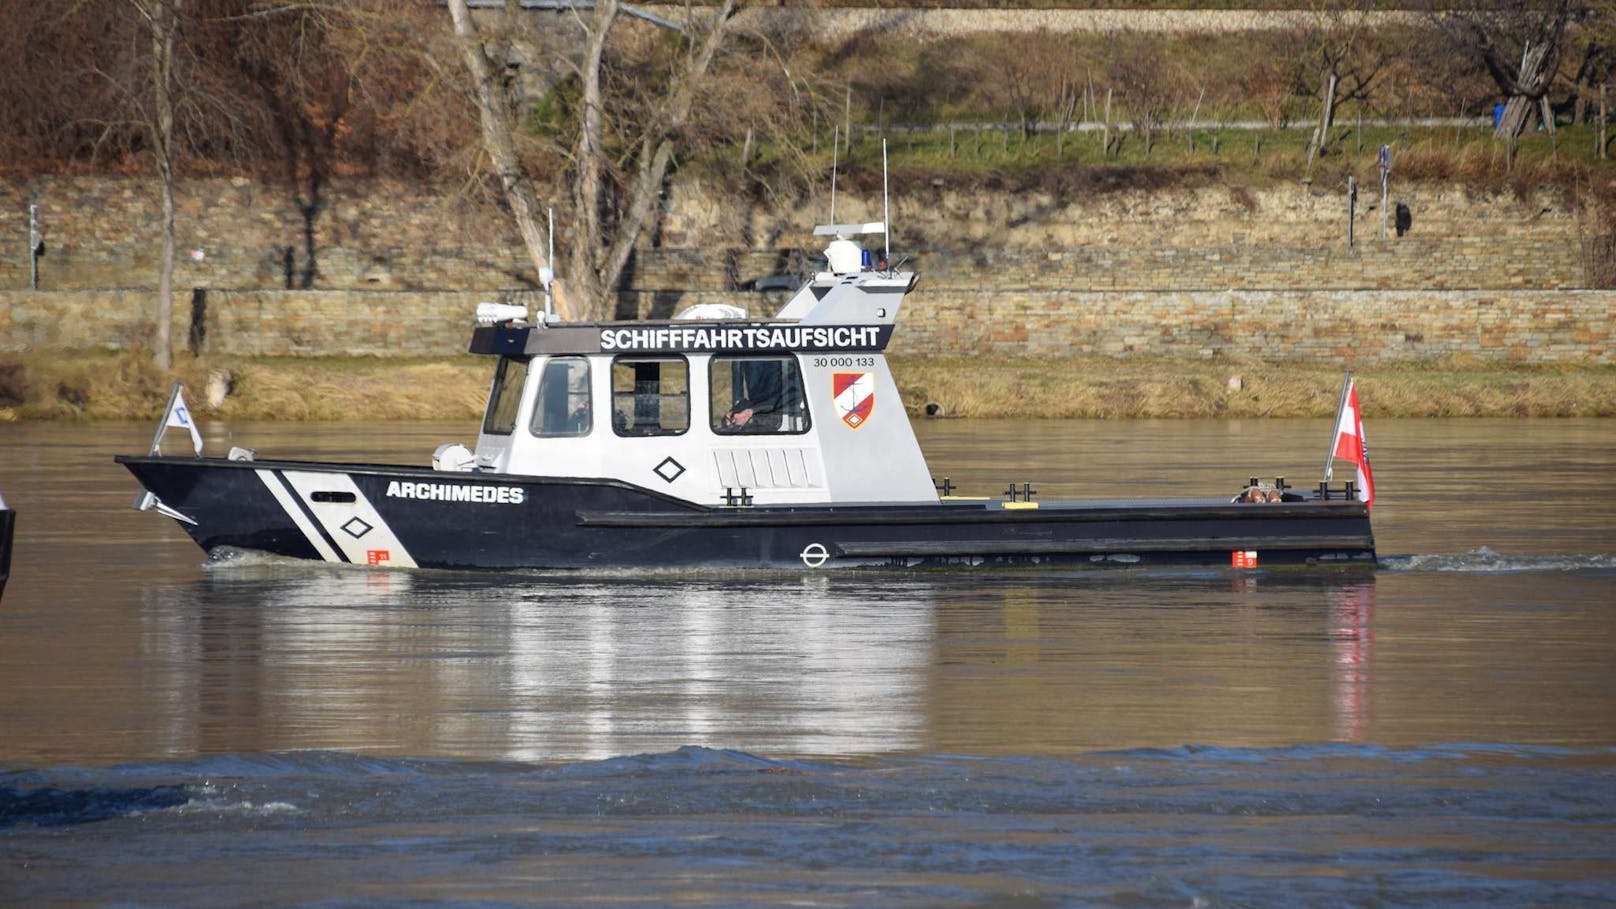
1489, 825
1488, 561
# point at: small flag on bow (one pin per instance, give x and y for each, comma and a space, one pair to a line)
177, 415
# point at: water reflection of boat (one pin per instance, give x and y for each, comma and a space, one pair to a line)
8, 526
450, 664
727, 442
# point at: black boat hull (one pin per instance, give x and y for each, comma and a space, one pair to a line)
8, 526
414, 517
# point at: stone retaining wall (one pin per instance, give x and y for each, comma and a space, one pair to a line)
1544, 262
942, 22
1527, 326
1547, 262
376, 235
1337, 326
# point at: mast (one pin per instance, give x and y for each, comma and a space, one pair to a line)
547, 273
835, 149
886, 214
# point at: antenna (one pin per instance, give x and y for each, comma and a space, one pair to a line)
835, 149
886, 214
547, 274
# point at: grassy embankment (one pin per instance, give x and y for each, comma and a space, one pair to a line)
1078, 164
103, 386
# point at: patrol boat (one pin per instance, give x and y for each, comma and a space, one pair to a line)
713, 441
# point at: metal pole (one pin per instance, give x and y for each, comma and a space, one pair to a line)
1335, 428
1385, 180
1352, 207
549, 264
886, 213
835, 158
33, 247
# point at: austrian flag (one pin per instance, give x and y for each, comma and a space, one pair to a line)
1349, 445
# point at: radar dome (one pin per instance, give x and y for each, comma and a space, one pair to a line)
845, 256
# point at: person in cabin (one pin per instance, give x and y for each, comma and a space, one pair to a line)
756, 391
564, 400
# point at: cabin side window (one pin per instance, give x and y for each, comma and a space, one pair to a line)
563, 400
757, 395
505, 398
650, 396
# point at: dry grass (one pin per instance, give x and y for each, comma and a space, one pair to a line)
107, 386
1103, 388
97, 385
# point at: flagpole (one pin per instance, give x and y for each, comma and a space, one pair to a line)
162, 421
1335, 428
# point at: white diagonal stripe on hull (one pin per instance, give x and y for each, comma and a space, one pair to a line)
295, 512
333, 516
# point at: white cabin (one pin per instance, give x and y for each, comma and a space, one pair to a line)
797, 409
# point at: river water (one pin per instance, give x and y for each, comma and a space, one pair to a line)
1439, 731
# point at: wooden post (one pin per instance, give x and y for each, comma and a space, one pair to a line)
951, 140
1603, 108
1105, 149
1193, 116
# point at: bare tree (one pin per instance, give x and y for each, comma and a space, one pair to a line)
1520, 45
161, 17
285, 54
1595, 47
1149, 89
492, 97
1265, 83
1337, 60
617, 166
1033, 78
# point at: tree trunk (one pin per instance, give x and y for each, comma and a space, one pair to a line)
587, 248
163, 15
1532, 82
498, 142
1321, 139
1105, 148
1603, 109
603, 251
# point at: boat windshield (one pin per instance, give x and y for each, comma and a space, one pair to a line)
506, 396
563, 400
